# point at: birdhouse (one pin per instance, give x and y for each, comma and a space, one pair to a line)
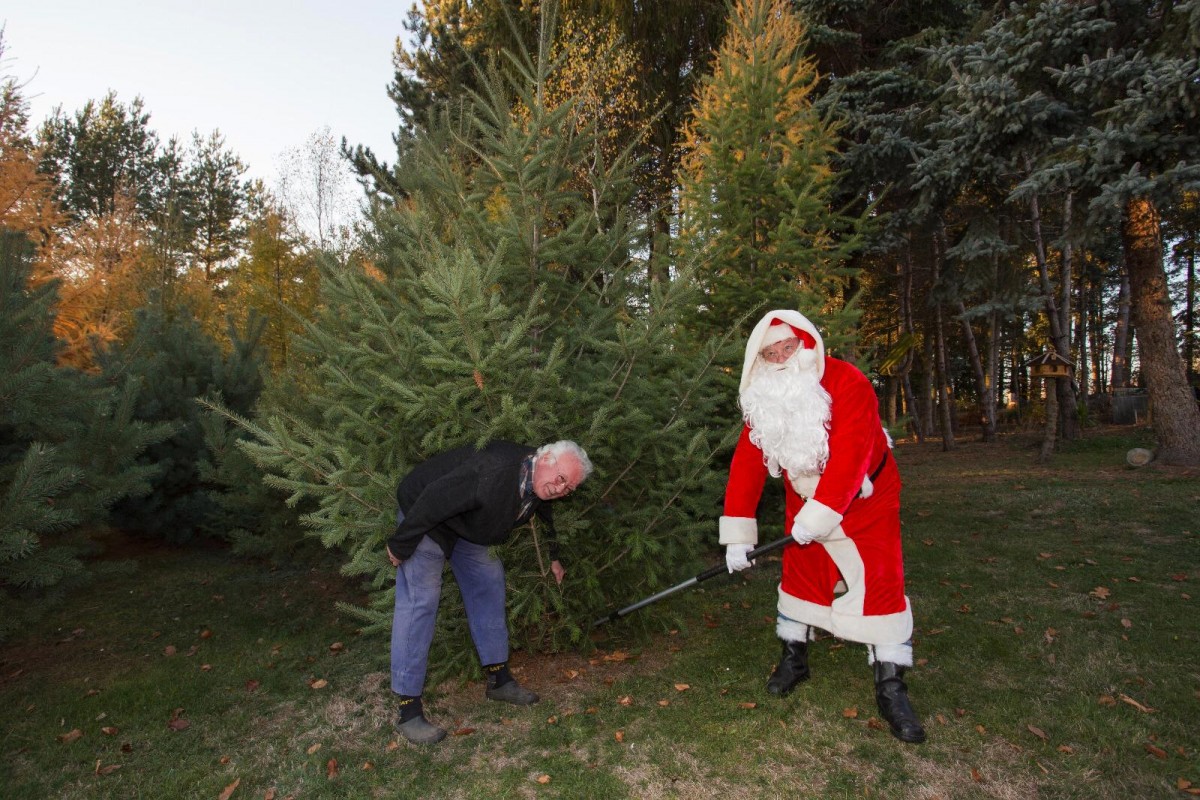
1050, 365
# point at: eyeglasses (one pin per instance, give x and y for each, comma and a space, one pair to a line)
780, 351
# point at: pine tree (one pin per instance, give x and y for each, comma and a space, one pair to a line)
176, 364
67, 444
505, 301
758, 182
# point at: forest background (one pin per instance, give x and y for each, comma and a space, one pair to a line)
588, 205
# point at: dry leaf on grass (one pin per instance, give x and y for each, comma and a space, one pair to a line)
319, 683
850, 713
106, 770
1157, 752
619, 736
1038, 732
1100, 592
229, 790
331, 768
975, 776
463, 732
625, 701
543, 779
1144, 709
312, 748
747, 705
682, 687
110, 730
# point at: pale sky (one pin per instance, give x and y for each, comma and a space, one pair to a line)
266, 73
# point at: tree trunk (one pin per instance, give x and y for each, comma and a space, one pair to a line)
1176, 418
1120, 359
987, 406
1189, 317
1051, 431
945, 398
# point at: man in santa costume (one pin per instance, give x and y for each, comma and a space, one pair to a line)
814, 420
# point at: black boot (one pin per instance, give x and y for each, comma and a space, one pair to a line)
891, 694
792, 669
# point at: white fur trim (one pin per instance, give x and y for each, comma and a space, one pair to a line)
791, 631
853, 627
818, 518
868, 488
738, 530
777, 333
754, 343
805, 485
899, 654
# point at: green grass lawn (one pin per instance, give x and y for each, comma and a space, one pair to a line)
1057, 644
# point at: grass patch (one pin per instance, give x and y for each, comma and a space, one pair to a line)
1056, 649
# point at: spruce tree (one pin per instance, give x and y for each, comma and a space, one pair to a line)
758, 182
176, 364
506, 299
67, 444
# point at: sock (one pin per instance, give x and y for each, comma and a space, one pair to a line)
497, 674
410, 707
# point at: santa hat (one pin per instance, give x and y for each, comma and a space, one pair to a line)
775, 327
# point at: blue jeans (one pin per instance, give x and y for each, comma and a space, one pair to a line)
480, 578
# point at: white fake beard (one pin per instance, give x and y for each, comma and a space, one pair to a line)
788, 411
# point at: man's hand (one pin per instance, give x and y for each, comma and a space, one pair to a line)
558, 571
735, 556
801, 534
392, 558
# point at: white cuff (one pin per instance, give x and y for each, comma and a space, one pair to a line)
738, 530
818, 518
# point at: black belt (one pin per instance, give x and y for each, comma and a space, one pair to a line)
878, 469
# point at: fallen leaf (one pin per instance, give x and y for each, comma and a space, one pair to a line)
552, 720
941, 718
110, 730
70, 736
850, 713
206, 667
1045, 555
1144, 709
1182, 783
394, 744
206, 634
91, 693
1101, 592
1038, 732
463, 732
1066, 748
625, 701
975, 776
229, 790
225, 759
107, 770
616, 655
319, 683
980, 729
179, 724
331, 769
269, 794
571, 674
682, 687
312, 748
337, 647
169, 650
1157, 752
1107, 700
1126, 624
619, 736
664, 703
251, 685
747, 705
367, 766
1179, 577
543, 779
874, 724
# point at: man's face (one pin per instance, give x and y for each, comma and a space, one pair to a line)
781, 351
555, 478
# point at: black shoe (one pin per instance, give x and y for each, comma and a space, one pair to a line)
891, 694
792, 669
419, 730
512, 692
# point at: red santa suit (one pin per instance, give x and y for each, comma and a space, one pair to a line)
851, 508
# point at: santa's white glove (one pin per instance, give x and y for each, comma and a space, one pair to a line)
735, 556
802, 535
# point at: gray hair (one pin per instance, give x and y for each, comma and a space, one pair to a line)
563, 447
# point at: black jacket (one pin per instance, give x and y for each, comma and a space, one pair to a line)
468, 493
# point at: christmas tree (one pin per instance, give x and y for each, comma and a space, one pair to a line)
507, 299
